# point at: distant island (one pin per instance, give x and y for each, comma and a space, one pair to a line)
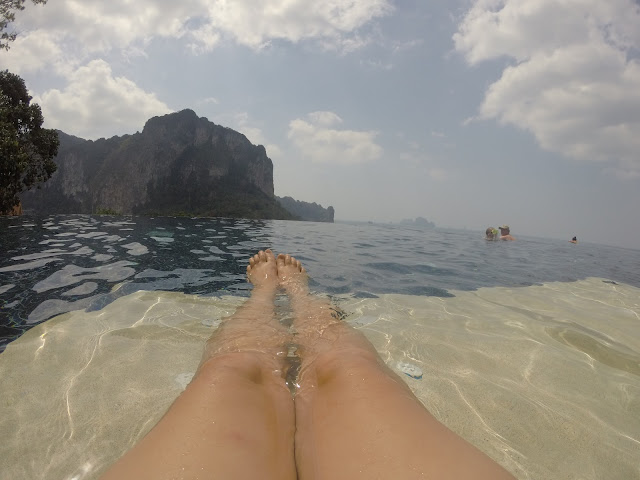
179, 164
418, 221
307, 211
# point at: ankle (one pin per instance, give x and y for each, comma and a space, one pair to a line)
264, 290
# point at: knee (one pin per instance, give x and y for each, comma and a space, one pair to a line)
251, 366
337, 365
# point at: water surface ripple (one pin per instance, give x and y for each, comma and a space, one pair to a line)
52, 265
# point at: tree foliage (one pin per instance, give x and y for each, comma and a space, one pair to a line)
8, 10
26, 149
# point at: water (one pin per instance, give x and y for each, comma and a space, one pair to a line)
529, 349
54, 265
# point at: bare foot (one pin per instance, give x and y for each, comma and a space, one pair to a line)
312, 314
317, 322
262, 270
253, 327
292, 275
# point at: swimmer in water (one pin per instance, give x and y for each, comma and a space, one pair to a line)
505, 233
351, 416
491, 234
573, 240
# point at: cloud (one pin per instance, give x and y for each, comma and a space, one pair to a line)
31, 52
377, 64
408, 45
204, 39
67, 34
255, 23
208, 100
94, 27
77, 41
424, 164
316, 140
96, 104
574, 82
242, 123
324, 119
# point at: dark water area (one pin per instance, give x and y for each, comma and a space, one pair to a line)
52, 265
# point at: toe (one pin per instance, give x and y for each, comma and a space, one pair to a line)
270, 256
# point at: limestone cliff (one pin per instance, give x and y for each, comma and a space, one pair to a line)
311, 212
179, 164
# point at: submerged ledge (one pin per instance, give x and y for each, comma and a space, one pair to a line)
544, 379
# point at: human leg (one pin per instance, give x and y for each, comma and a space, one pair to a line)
355, 418
236, 417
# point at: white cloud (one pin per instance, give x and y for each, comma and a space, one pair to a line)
96, 27
69, 33
76, 41
96, 104
30, 52
210, 100
324, 119
377, 64
91, 28
273, 151
575, 84
409, 45
242, 123
257, 22
316, 140
204, 39
424, 164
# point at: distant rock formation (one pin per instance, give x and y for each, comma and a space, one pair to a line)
179, 164
311, 212
420, 222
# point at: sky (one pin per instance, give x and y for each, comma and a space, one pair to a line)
470, 113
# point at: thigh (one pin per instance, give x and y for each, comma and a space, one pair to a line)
235, 420
358, 420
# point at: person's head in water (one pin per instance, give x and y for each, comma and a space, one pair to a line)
574, 240
491, 233
505, 233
